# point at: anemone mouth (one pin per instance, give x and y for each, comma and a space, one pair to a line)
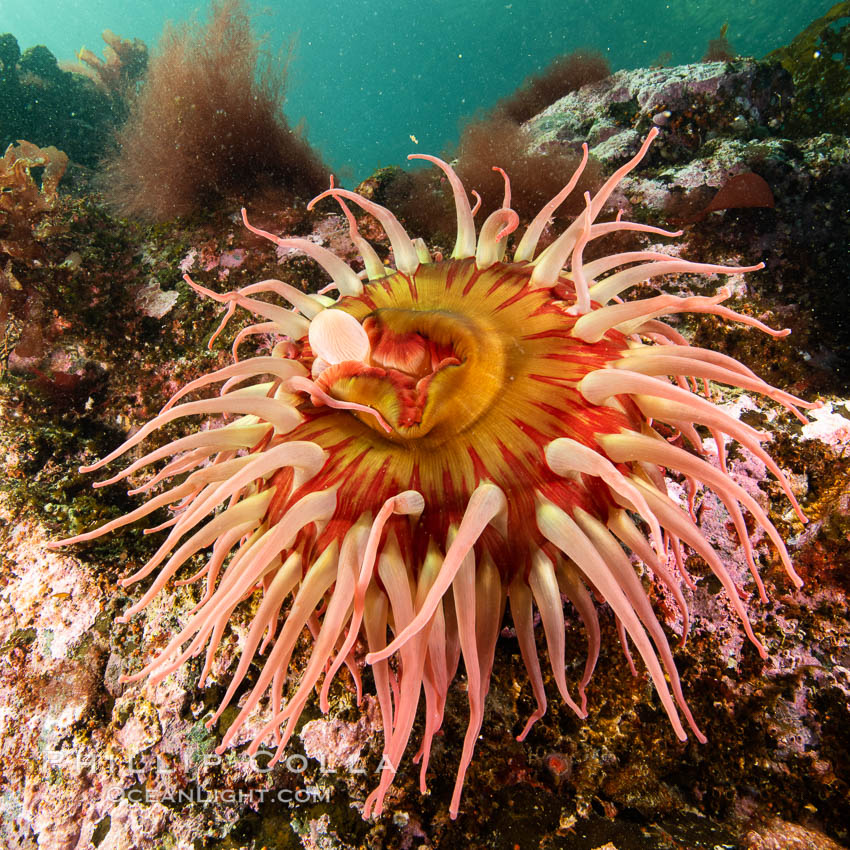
418, 375
427, 357
431, 372
440, 441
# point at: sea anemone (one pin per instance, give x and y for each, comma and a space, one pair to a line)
446, 436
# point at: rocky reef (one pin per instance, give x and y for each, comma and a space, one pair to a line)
75, 107
88, 762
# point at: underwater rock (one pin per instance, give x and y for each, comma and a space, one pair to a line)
692, 103
721, 120
47, 105
817, 60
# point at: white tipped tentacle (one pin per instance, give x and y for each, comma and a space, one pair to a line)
308, 305
566, 456
628, 317
319, 577
522, 612
547, 595
236, 435
375, 269
682, 360
565, 533
410, 503
528, 244
666, 402
404, 251
487, 504
479, 605
491, 240
242, 370
465, 240
283, 417
623, 573
343, 275
555, 256
287, 322
618, 283
624, 447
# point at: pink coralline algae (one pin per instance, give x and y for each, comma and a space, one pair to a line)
337, 744
830, 425
207, 257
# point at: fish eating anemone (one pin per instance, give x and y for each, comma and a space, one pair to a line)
445, 439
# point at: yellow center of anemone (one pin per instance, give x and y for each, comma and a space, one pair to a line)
437, 364
473, 370
435, 372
